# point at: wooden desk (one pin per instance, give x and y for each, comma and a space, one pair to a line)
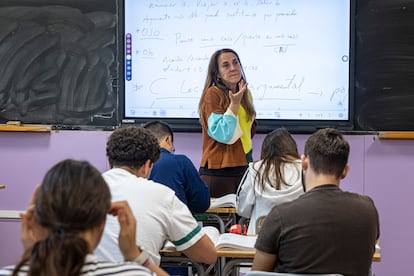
230, 210
243, 254
224, 267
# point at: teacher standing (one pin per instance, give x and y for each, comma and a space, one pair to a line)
227, 117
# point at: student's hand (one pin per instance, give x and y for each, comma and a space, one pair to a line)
31, 230
127, 232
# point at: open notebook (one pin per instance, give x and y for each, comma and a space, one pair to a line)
225, 241
226, 201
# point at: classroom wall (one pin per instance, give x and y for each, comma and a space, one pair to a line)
379, 168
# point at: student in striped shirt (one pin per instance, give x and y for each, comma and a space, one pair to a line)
64, 222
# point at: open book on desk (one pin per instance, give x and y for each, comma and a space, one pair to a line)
225, 241
226, 201
229, 241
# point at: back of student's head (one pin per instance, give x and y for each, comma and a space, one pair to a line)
132, 146
160, 129
328, 152
72, 198
278, 147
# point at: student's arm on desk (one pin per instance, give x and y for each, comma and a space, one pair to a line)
203, 251
264, 261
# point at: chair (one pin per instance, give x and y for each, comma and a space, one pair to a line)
214, 219
263, 273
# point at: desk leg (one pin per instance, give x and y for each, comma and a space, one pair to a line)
233, 264
182, 261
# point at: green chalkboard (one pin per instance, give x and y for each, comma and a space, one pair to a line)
59, 62
384, 98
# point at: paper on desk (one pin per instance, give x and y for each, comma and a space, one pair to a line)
226, 201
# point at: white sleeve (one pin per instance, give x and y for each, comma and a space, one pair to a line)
245, 198
238, 132
183, 230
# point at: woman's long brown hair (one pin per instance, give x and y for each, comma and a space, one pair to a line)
213, 80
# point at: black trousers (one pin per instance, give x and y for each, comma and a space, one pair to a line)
221, 185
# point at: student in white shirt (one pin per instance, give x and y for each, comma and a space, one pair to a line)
161, 215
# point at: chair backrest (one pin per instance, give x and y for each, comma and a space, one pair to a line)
263, 273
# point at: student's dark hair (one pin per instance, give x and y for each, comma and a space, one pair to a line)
328, 152
132, 146
73, 197
213, 80
278, 148
160, 129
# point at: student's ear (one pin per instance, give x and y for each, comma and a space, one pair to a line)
169, 141
304, 160
147, 167
102, 226
345, 172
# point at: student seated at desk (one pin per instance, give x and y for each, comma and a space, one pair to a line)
326, 230
274, 179
132, 151
64, 222
177, 171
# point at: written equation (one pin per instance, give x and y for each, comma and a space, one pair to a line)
291, 51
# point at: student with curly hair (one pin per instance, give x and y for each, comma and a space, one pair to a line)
131, 152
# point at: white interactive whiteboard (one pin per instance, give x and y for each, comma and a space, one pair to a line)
295, 53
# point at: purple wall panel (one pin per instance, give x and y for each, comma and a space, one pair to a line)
389, 167
10, 246
190, 145
25, 158
353, 182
